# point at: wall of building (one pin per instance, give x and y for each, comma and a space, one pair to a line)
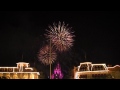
115, 71
115, 74
110, 73
19, 75
22, 71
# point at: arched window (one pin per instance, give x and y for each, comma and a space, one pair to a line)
5, 69
98, 67
10, 69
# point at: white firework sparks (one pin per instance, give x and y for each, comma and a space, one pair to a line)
61, 36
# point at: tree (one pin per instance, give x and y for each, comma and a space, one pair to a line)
70, 74
42, 76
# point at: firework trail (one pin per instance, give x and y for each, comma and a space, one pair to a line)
44, 55
61, 36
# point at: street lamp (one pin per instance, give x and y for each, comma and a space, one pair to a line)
50, 58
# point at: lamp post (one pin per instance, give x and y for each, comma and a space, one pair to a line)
50, 58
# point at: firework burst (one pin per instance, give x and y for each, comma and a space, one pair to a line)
61, 36
44, 55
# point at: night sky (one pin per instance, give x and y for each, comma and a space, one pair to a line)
96, 34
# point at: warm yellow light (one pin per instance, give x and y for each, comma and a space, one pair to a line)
29, 68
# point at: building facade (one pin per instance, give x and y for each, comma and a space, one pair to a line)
87, 70
22, 71
115, 71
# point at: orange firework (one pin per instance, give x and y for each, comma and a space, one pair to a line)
44, 55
